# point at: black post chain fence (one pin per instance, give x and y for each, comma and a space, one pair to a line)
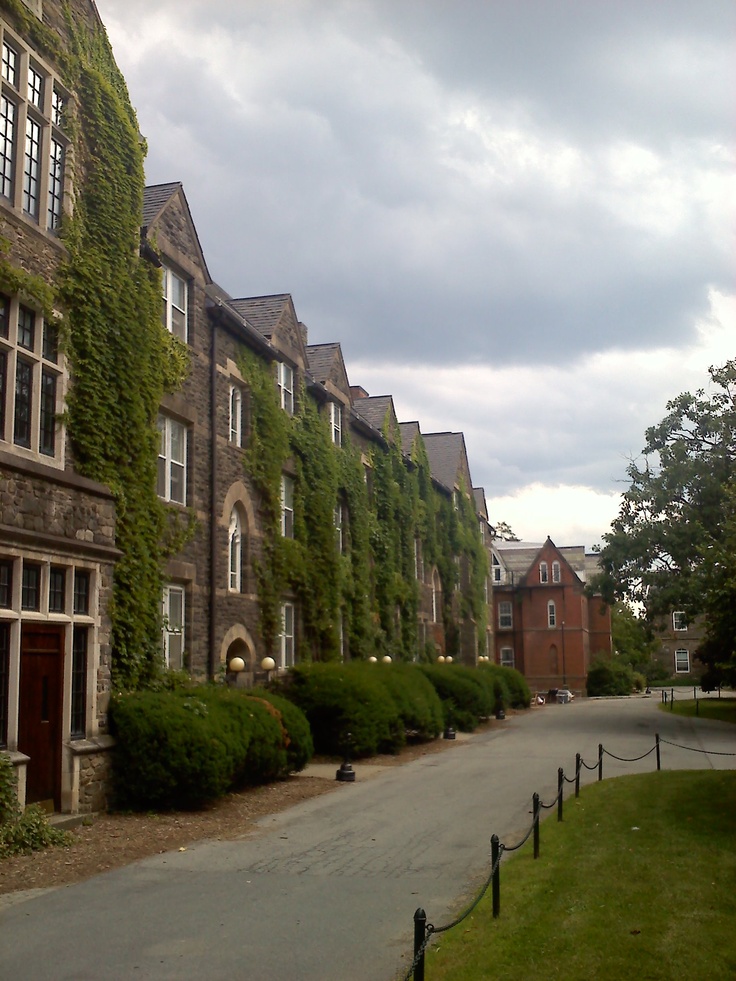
423, 931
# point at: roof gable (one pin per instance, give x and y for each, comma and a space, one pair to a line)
326, 365
167, 204
274, 317
377, 410
448, 459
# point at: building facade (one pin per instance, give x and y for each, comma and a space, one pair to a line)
547, 626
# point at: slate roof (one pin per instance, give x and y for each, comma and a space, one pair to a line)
479, 495
263, 312
409, 432
154, 199
445, 452
321, 358
374, 408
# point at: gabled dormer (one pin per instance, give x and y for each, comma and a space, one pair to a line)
170, 239
448, 460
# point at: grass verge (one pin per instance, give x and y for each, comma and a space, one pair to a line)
639, 880
720, 709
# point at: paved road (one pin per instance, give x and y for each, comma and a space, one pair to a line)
326, 891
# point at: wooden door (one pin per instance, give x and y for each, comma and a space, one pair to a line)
39, 710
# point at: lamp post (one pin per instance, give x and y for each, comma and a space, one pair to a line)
564, 670
268, 664
235, 666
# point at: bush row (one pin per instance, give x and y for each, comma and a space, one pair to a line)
180, 749
184, 747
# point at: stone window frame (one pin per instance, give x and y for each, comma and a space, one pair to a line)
336, 420
174, 624
33, 109
79, 689
174, 315
171, 469
285, 379
287, 636
33, 381
287, 506
235, 552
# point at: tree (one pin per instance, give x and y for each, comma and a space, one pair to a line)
504, 532
672, 546
633, 642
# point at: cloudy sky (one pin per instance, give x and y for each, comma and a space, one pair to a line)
517, 216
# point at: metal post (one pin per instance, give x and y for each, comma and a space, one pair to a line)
672, 699
496, 866
560, 788
420, 930
659, 762
577, 774
600, 761
535, 812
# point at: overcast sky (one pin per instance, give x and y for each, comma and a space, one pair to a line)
516, 216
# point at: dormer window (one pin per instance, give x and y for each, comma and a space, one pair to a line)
543, 572
285, 381
556, 572
497, 569
174, 313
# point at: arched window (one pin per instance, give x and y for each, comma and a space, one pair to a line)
553, 664
551, 614
235, 553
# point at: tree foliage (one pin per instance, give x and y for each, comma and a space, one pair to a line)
672, 545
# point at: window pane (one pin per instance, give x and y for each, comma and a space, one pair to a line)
26, 328
32, 159
79, 682
4, 315
6, 583
57, 583
23, 389
7, 144
10, 65
35, 87
4, 678
3, 389
47, 428
57, 107
81, 592
178, 441
56, 183
31, 587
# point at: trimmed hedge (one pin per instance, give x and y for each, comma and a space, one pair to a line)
609, 678
466, 696
181, 749
342, 698
414, 696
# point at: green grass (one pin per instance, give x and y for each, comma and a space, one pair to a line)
721, 709
638, 881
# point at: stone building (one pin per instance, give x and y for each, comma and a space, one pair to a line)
57, 528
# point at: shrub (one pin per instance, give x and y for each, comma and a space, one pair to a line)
609, 678
337, 699
519, 694
22, 831
414, 696
171, 751
300, 746
184, 747
465, 697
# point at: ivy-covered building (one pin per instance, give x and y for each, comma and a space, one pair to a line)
314, 528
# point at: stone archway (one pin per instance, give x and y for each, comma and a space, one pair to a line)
237, 642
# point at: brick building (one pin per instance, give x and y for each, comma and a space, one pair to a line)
547, 626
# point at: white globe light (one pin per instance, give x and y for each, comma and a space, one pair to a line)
441, 659
386, 658
236, 665
268, 664
448, 659
372, 659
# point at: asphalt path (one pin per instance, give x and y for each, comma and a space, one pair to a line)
326, 891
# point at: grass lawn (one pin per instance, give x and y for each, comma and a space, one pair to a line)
638, 882
721, 709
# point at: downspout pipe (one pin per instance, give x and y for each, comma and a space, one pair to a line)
212, 660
